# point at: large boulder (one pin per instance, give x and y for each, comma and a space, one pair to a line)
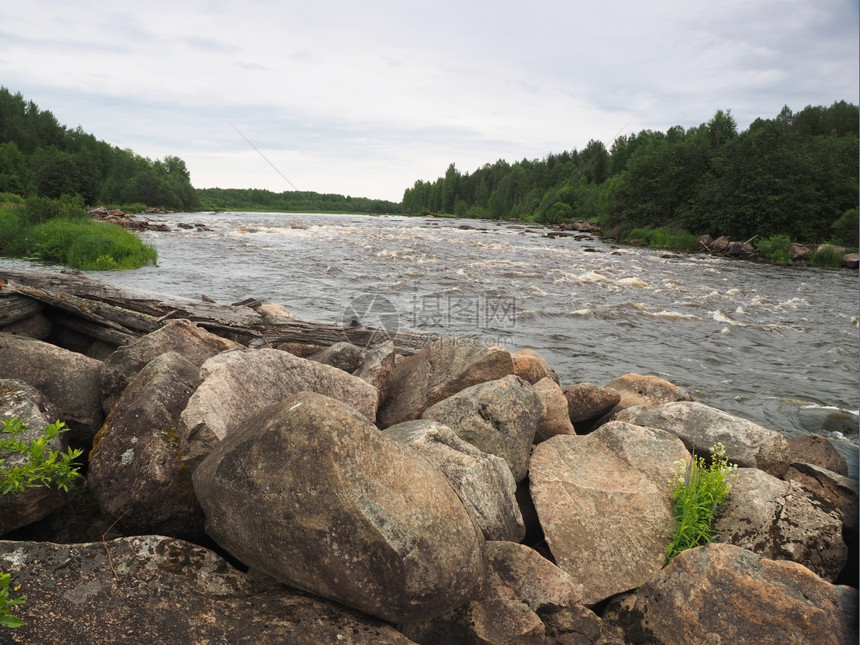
154, 589
311, 493
650, 391
818, 451
69, 380
701, 426
528, 600
378, 367
604, 504
438, 371
839, 491
344, 356
532, 367
555, 419
499, 417
24, 402
137, 471
586, 401
483, 481
721, 593
180, 336
238, 384
778, 520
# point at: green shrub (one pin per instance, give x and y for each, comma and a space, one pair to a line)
700, 490
555, 214
42, 467
826, 256
663, 238
775, 249
42, 209
847, 228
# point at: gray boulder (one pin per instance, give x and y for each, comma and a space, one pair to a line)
438, 371
314, 495
153, 589
138, 474
17, 399
238, 384
604, 504
700, 427
344, 356
180, 336
778, 520
528, 600
483, 481
834, 489
818, 451
499, 417
721, 593
70, 381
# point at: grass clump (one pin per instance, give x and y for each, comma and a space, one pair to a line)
775, 249
700, 490
826, 256
61, 231
40, 467
663, 238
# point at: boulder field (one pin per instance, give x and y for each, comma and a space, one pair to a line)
461, 494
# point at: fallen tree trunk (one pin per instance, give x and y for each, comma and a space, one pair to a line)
119, 315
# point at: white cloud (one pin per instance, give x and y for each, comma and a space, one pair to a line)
365, 98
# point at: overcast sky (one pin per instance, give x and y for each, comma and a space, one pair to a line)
364, 97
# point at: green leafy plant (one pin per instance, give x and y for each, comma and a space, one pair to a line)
41, 467
700, 490
775, 249
6, 604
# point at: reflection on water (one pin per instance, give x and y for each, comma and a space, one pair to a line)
771, 344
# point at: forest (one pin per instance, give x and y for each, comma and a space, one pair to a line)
255, 199
794, 175
40, 157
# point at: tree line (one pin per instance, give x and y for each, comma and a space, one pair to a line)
256, 199
795, 175
38, 156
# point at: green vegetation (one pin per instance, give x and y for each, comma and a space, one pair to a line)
38, 156
826, 256
42, 467
700, 490
663, 238
794, 175
61, 231
775, 249
254, 199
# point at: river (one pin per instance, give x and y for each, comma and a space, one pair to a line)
777, 345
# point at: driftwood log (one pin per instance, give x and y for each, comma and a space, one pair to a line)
119, 315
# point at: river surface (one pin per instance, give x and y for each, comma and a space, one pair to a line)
777, 345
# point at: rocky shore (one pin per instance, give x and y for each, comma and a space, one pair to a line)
241, 488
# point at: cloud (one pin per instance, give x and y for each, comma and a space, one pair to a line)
366, 98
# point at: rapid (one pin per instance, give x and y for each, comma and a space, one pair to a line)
777, 345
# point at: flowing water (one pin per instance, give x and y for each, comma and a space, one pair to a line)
777, 345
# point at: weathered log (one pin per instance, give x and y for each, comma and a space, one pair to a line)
118, 315
14, 308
